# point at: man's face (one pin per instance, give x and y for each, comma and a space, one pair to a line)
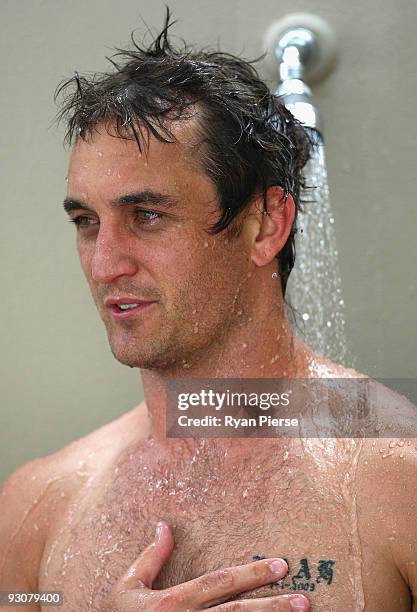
142, 236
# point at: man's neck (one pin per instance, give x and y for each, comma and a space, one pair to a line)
266, 348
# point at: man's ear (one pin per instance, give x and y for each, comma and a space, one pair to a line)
274, 227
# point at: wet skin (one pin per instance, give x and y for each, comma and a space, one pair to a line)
98, 502
88, 511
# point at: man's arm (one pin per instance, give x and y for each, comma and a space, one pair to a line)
23, 523
401, 510
387, 501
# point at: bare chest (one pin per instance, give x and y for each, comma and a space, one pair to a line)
222, 514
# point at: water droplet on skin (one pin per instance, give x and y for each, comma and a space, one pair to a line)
306, 316
244, 345
392, 444
245, 493
239, 312
100, 154
206, 244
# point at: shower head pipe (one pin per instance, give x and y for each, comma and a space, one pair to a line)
296, 96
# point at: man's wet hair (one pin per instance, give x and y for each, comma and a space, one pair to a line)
249, 141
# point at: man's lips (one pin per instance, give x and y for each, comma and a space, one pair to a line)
133, 306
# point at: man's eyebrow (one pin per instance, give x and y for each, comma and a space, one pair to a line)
70, 204
138, 197
146, 197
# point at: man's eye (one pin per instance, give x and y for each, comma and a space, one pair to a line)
82, 221
146, 216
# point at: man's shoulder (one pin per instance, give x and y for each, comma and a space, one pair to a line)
321, 367
35, 494
387, 485
393, 413
29, 500
100, 446
386, 476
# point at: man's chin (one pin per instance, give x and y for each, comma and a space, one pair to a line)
127, 358
127, 349
139, 359
153, 361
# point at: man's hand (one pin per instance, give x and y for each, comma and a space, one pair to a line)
133, 592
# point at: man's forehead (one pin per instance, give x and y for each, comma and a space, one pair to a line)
183, 141
105, 165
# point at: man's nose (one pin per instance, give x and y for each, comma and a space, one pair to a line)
113, 255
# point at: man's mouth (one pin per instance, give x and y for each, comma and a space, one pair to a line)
126, 308
125, 311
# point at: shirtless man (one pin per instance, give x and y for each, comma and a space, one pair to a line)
342, 512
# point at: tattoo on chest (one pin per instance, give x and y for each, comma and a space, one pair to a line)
304, 576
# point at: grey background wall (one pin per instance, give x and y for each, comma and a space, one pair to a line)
58, 377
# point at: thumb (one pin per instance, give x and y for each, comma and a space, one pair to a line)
147, 566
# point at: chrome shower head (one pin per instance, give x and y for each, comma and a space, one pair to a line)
296, 52
305, 47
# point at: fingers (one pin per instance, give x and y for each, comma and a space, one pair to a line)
147, 566
217, 586
280, 603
